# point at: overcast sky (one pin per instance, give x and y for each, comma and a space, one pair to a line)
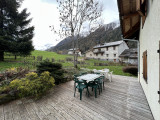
44, 13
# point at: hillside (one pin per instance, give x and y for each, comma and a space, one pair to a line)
108, 33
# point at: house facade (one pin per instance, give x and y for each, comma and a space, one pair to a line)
107, 51
129, 56
77, 51
89, 54
140, 19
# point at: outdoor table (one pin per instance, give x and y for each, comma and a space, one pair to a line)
88, 77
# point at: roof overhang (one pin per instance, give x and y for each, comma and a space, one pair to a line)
129, 18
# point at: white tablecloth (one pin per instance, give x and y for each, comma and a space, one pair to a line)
89, 77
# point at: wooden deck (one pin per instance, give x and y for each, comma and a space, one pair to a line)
122, 99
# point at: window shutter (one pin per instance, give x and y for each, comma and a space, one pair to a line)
145, 65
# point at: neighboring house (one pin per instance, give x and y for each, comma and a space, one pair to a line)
129, 56
89, 54
107, 51
140, 19
77, 51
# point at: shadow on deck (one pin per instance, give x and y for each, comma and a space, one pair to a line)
122, 99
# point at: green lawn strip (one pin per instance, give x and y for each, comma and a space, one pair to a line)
10, 62
7, 65
50, 55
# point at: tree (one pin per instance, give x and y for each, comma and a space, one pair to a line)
15, 32
75, 17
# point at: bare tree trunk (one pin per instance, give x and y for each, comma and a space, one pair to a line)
77, 53
15, 57
1, 55
74, 55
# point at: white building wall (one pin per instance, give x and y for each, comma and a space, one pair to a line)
149, 40
89, 54
118, 50
111, 53
70, 52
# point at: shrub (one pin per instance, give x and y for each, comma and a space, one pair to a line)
39, 58
33, 85
131, 69
69, 59
11, 74
53, 60
47, 59
61, 61
100, 64
54, 68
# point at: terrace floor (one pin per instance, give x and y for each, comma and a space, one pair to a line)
122, 99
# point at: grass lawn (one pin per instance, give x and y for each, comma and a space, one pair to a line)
10, 62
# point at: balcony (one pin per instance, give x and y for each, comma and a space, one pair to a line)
98, 51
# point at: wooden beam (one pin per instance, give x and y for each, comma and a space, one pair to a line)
132, 31
140, 13
130, 15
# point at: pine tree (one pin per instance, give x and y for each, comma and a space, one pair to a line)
15, 33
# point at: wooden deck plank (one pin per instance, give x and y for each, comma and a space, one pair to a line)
60, 109
31, 112
54, 112
23, 112
1, 113
90, 112
96, 106
8, 115
39, 112
105, 111
16, 114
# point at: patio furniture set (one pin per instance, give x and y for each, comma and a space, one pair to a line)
93, 80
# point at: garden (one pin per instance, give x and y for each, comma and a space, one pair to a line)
35, 75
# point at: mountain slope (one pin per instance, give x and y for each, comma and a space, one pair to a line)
107, 33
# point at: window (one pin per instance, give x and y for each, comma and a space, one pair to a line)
107, 55
107, 48
99, 49
90, 54
114, 55
114, 48
145, 65
96, 54
101, 54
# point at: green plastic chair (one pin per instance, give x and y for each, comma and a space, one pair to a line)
94, 85
81, 86
102, 77
99, 81
76, 80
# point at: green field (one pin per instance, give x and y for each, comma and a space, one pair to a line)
10, 62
